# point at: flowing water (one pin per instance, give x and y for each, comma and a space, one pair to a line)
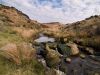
78, 66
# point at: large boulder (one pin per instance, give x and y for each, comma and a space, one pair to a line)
74, 48
52, 57
87, 50
64, 49
90, 50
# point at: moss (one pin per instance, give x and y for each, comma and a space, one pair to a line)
52, 62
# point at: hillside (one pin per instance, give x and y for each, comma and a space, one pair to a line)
21, 23
85, 32
52, 29
17, 31
16, 17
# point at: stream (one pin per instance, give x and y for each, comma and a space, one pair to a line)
77, 66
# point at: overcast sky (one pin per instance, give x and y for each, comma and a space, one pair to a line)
64, 11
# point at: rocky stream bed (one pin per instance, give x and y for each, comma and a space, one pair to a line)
83, 63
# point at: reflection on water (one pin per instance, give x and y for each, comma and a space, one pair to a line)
78, 66
44, 38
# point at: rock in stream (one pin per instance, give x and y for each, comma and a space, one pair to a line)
49, 55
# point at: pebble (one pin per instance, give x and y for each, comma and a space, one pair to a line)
68, 60
82, 56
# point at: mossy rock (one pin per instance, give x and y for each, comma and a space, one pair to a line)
52, 57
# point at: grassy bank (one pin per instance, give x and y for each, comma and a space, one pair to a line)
31, 68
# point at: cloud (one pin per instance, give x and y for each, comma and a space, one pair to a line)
64, 11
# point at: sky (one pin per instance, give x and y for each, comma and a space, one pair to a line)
64, 11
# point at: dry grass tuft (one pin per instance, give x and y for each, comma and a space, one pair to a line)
17, 54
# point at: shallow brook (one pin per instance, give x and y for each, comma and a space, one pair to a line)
88, 65
79, 66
